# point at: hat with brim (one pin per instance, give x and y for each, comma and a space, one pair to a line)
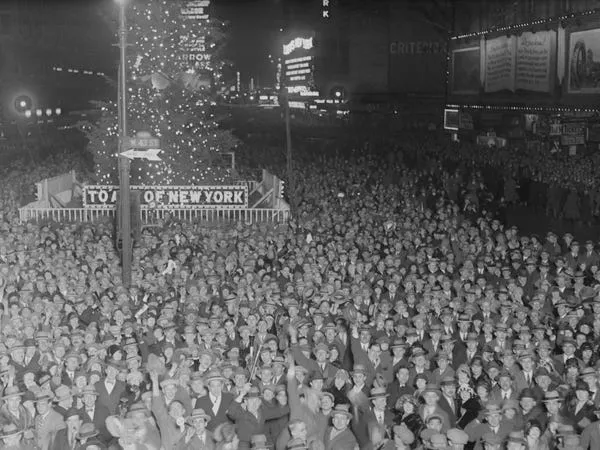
378, 392
87, 431
199, 414
169, 382
12, 391
432, 388
492, 409
43, 396
343, 410
213, 375
359, 368
10, 430
552, 396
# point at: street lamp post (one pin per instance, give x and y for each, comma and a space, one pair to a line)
124, 163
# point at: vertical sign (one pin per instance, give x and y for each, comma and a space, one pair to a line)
326, 8
193, 44
500, 64
533, 61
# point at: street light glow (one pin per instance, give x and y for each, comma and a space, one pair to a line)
48, 112
23, 104
28, 113
58, 111
38, 112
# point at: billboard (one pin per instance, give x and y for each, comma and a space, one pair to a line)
550, 65
417, 53
193, 197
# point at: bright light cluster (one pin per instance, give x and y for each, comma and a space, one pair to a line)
168, 96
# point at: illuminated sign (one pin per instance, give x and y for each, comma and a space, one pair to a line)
195, 10
451, 119
297, 105
197, 197
417, 48
298, 60
326, 8
298, 43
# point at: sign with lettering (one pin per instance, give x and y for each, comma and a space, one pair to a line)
417, 47
534, 51
500, 64
192, 197
298, 43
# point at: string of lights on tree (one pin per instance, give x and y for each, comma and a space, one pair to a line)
169, 97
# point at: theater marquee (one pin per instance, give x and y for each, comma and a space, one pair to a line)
193, 197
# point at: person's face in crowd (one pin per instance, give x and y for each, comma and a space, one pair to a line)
365, 337
281, 397
431, 398
358, 379
340, 421
268, 395
176, 410
89, 400
527, 364
553, 407
527, 404
582, 396
18, 355
568, 349
111, 373
42, 406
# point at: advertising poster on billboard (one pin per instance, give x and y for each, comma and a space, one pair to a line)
500, 56
583, 67
534, 56
466, 70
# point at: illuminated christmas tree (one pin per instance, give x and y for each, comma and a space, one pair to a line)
171, 95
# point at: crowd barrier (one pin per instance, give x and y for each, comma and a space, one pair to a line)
150, 216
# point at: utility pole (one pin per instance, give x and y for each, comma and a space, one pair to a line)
124, 163
288, 148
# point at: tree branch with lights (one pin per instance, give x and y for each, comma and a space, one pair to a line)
170, 97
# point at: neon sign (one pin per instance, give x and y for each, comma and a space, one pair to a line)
296, 44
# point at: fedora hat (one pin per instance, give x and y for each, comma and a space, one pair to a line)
342, 409
213, 374
492, 408
10, 430
62, 393
551, 396
432, 388
378, 392
12, 391
169, 382
138, 407
43, 395
89, 390
199, 413
87, 431
259, 441
359, 368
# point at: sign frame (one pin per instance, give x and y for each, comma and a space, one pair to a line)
112, 191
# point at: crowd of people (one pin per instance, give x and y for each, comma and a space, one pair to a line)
395, 311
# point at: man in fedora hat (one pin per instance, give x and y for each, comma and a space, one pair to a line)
494, 426
94, 412
48, 421
199, 438
12, 411
12, 438
215, 402
339, 436
66, 438
431, 396
110, 390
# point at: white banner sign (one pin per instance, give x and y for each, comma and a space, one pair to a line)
534, 51
500, 64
